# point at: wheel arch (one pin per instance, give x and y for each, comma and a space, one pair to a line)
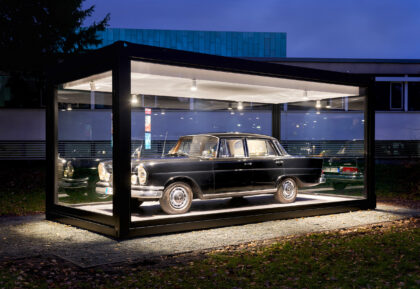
189, 181
299, 183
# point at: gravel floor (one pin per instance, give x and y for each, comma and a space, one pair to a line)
33, 235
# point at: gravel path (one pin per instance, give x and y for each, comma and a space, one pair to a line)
33, 235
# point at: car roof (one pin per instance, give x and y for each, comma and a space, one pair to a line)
233, 134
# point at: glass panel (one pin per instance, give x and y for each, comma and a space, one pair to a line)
335, 136
396, 95
382, 96
414, 96
85, 145
182, 116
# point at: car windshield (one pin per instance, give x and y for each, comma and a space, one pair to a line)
197, 146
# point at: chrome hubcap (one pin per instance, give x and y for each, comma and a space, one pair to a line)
289, 189
178, 197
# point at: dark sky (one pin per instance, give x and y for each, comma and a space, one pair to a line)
315, 28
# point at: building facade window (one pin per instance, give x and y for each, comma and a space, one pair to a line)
414, 96
396, 96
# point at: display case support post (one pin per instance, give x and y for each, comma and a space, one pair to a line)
275, 121
51, 149
121, 150
370, 146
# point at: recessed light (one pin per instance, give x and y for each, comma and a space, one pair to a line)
194, 85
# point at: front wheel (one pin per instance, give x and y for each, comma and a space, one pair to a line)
286, 191
176, 199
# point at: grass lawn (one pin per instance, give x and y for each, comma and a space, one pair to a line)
22, 190
380, 256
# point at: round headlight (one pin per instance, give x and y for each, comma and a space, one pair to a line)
68, 170
142, 174
102, 172
133, 179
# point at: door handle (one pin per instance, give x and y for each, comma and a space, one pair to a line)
279, 163
248, 164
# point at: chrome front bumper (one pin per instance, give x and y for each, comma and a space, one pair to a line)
69, 183
143, 192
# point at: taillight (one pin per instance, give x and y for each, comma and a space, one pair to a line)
349, 170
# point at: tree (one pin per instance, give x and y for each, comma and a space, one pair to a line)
38, 33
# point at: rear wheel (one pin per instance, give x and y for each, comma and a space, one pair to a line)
339, 186
176, 199
286, 191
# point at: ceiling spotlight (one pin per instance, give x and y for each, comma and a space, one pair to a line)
134, 99
240, 106
92, 85
194, 85
69, 107
305, 95
318, 104
329, 104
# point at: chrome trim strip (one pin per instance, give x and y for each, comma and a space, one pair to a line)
147, 188
146, 194
238, 194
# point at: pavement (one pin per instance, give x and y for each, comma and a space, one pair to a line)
31, 236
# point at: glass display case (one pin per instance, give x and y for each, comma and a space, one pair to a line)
159, 140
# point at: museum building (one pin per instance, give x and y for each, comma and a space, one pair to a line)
397, 104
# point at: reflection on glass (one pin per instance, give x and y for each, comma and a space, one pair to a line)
157, 126
335, 135
316, 120
84, 140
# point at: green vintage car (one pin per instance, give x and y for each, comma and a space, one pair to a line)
66, 180
346, 166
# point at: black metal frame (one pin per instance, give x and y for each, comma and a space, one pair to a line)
117, 58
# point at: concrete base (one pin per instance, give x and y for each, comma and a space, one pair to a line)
152, 210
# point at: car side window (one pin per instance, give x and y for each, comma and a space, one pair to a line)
185, 146
210, 148
260, 148
231, 148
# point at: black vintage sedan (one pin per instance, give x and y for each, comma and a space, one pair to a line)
217, 165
